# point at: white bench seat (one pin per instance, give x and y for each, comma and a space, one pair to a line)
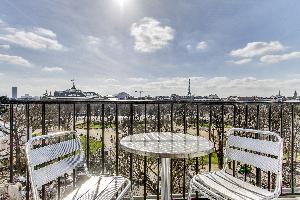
229, 187
98, 188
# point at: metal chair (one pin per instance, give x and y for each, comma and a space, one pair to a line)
263, 149
52, 156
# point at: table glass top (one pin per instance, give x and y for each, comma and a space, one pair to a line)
167, 145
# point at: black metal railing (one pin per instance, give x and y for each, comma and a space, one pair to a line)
102, 124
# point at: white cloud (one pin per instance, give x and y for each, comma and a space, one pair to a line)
2, 74
150, 35
45, 32
111, 81
92, 40
36, 38
201, 45
189, 47
253, 49
138, 79
103, 42
15, 60
269, 59
242, 61
4, 46
52, 69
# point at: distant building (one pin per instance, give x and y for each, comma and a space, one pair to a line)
213, 97
14, 92
278, 97
110, 97
72, 93
295, 95
123, 96
28, 97
162, 98
175, 97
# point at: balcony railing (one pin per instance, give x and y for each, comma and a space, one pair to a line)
102, 124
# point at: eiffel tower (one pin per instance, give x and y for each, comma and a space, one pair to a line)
189, 89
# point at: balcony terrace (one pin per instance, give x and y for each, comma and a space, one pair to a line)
101, 125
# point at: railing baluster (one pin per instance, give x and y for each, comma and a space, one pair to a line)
131, 132
258, 170
281, 121
74, 128
234, 124
88, 148
74, 117
58, 179
222, 136
172, 130
117, 138
209, 135
11, 144
43, 142
270, 129
184, 161
292, 150
197, 160
246, 126
102, 139
28, 137
145, 158
281, 130
158, 129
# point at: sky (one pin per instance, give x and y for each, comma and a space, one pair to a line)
226, 47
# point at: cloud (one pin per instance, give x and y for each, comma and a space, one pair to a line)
150, 35
35, 38
52, 69
2, 74
269, 59
138, 79
45, 32
254, 49
4, 46
92, 40
201, 45
189, 47
111, 81
15, 60
242, 61
103, 42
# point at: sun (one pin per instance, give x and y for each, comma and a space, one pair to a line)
121, 3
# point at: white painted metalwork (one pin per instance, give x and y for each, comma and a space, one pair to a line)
47, 162
167, 145
265, 151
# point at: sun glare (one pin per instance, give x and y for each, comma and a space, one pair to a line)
121, 3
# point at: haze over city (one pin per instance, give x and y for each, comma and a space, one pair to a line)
243, 48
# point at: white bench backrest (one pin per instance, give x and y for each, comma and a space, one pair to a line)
264, 154
51, 156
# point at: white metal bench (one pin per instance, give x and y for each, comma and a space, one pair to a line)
264, 151
52, 156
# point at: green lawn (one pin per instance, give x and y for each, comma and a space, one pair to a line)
95, 145
93, 125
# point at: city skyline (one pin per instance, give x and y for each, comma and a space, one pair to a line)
246, 48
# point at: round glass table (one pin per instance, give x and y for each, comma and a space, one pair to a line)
166, 145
